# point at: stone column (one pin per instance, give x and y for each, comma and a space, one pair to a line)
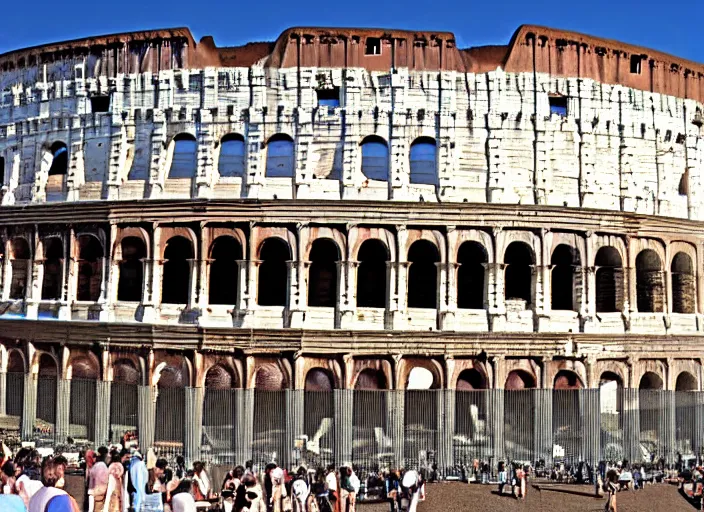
102, 412
396, 424
146, 417
194, 424
344, 410
495, 297
206, 146
401, 314
295, 405
298, 292
63, 410
542, 425
3, 393
496, 409
347, 277
29, 406
448, 315
244, 424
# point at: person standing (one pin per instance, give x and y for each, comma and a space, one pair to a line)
138, 476
503, 477
49, 498
113, 493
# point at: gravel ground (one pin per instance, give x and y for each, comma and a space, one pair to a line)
456, 497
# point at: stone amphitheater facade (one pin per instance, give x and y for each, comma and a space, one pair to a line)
341, 207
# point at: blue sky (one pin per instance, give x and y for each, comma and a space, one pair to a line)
673, 27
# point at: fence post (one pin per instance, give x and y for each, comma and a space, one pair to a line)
670, 424
146, 416
295, 403
29, 407
496, 413
193, 433
631, 424
590, 415
103, 394
3, 393
344, 407
63, 410
542, 424
698, 422
244, 419
446, 431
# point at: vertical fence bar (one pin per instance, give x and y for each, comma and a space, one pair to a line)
30, 406
146, 416
344, 425
102, 413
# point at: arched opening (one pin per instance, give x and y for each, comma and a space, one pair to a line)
131, 282
471, 258
123, 398
609, 280
471, 418
47, 376
272, 288
420, 414
14, 390
371, 433
423, 275
371, 274
84, 374
224, 270
611, 400
686, 382
171, 406
280, 157
184, 160
52, 284
652, 407
319, 406
219, 414
59, 160
518, 275
231, 163
567, 414
270, 415
176, 281
375, 158
564, 259
322, 275
90, 268
685, 413
683, 287
423, 161
21, 261
519, 415
649, 282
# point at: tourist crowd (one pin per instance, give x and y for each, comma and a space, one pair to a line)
123, 480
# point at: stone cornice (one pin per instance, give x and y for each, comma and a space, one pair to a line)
378, 213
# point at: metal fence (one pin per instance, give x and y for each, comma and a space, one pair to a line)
371, 429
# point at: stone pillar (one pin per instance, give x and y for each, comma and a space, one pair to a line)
448, 316
669, 424
347, 272
542, 425
244, 408
146, 417
298, 292
29, 406
102, 412
396, 424
194, 424
344, 410
496, 409
63, 410
495, 297
206, 147
400, 315
446, 430
295, 404
3, 393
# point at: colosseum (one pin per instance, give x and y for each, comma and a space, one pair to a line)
354, 245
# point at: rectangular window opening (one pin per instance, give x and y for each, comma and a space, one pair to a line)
328, 97
558, 105
373, 46
635, 64
100, 103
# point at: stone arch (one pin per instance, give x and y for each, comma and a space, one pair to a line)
280, 156
139, 233
83, 365
567, 380
375, 158
650, 381
504, 238
14, 365
369, 374
520, 379
472, 370
179, 251
564, 260
683, 283
231, 365
133, 251
53, 256
612, 367
173, 371
268, 374
472, 258
324, 257
319, 379
274, 253
471, 379
686, 382
423, 167
125, 370
59, 159
568, 370
519, 259
611, 241
48, 373
419, 373
372, 281
232, 156
423, 257
304, 364
609, 280
182, 159
15, 361
358, 235
649, 285
91, 261
20, 265
220, 377
223, 270
165, 234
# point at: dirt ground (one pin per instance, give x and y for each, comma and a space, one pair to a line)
456, 497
